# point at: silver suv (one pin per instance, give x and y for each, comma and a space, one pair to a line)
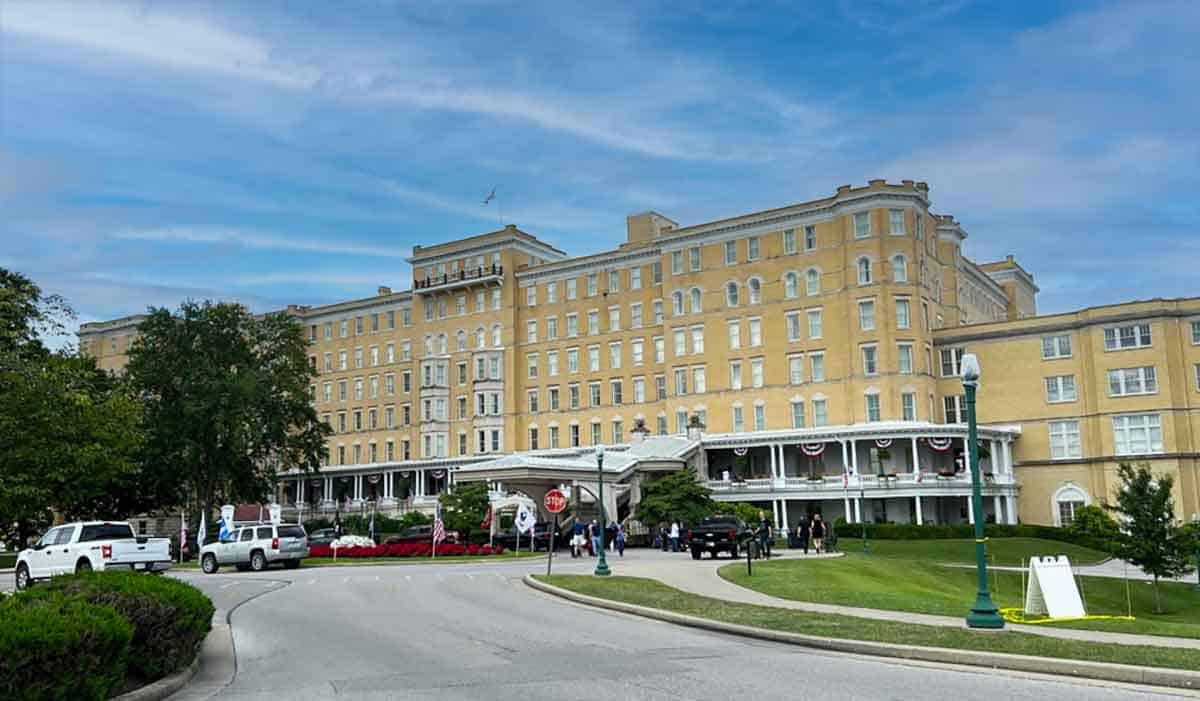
256, 548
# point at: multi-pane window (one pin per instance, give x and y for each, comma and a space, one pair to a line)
1060, 388
695, 299
614, 319
791, 285
681, 381
594, 394
480, 301
374, 356
574, 433
697, 340
795, 369
752, 248
593, 358
614, 281
896, 220
637, 351
658, 311
533, 401
618, 395
908, 406
864, 271
810, 238
793, 326
680, 336
531, 334
572, 325
730, 252
756, 373
872, 407
866, 315
497, 299
694, 257
1196, 333
551, 292
533, 438
572, 288
660, 387
1137, 434
902, 316
635, 278
635, 315
1064, 440
358, 389
1126, 381
956, 409
731, 294
760, 417
820, 413
951, 361
532, 363
814, 323
592, 284
735, 375
614, 356
618, 431
660, 349
754, 287
755, 326
1056, 347
597, 439
552, 328
797, 414
1129, 336
342, 356
662, 425
573, 396
905, 358
739, 421
789, 241
572, 360
552, 363
373, 385
593, 319
735, 334
552, 398
699, 381
816, 367
676, 262
899, 268
870, 358
862, 225
328, 362
639, 390
656, 272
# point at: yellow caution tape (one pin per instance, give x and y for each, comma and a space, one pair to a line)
1016, 615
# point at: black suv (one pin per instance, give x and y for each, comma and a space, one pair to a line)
719, 533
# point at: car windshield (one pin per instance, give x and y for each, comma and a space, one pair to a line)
291, 532
105, 531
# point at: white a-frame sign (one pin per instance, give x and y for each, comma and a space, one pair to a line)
1052, 590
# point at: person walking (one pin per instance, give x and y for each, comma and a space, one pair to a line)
818, 534
663, 537
764, 536
621, 540
577, 540
674, 536
594, 532
802, 535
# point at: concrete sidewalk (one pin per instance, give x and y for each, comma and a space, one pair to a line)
701, 578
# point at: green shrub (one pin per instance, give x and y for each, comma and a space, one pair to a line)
1093, 523
53, 646
170, 618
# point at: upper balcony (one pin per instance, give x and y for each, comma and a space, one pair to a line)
460, 278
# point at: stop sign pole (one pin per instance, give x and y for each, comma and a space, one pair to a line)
555, 502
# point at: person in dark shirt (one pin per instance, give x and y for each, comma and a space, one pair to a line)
818, 534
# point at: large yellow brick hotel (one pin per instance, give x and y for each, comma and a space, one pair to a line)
804, 358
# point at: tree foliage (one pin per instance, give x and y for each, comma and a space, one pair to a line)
1151, 539
69, 434
677, 496
1093, 524
226, 401
465, 507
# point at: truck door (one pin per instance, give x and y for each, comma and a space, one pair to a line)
63, 560
40, 561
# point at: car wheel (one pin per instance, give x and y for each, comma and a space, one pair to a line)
23, 581
291, 564
695, 554
258, 561
83, 567
208, 563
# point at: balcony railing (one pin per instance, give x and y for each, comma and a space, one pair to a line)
873, 482
461, 276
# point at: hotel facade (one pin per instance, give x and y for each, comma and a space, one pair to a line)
804, 359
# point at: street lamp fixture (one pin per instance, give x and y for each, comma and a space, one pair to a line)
601, 564
983, 614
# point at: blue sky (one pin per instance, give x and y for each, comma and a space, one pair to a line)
286, 152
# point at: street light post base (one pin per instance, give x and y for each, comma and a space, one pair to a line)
602, 570
984, 614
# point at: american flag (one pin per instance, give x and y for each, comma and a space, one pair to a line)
439, 528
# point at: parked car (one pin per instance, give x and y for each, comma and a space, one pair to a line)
323, 536
719, 533
541, 538
88, 546
257, 547
419, 534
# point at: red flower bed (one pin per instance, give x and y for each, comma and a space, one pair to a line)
405, 550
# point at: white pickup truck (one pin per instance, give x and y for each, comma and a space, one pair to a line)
92, 545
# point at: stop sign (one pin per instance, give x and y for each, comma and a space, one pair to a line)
555, 501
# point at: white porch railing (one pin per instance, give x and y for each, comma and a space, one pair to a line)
906, 480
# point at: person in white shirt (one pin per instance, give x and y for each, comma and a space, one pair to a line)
674, 536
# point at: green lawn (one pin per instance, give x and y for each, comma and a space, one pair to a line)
362, 562
1005, 551
649, 592
910, 576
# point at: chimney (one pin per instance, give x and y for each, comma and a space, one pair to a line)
877, 182
843, 190
906, 183
384, 290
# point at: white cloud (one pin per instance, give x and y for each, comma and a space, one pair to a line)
261, 241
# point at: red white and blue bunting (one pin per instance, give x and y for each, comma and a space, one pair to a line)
941, 445
740, 451
883, 442
812, 450
437, 474
373, 479
405, 474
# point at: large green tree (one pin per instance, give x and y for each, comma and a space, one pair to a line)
677, 496
69, 433
226, 397
464, 507
1150, 539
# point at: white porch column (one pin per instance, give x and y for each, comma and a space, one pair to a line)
916, 460
997, 459
783, 507
775, 510
920, 516
327, 492
998, 506
782, 464
970, 512
858, 510
1008, 458
854, 457
300, 491
358, 487
1011, 510
845, 458
774, 464
846, 508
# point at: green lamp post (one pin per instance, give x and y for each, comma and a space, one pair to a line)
601, 564
983, 614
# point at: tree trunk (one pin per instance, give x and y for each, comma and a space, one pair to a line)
1157, 603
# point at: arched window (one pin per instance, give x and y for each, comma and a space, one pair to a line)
755, 286
696, 307
1067, 500
812, 282
899, 268
864, 271
480, 337
496, 336
791, 285
462, 340
731, 294
677, 302
442, 344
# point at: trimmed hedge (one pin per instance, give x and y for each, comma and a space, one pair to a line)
930, 531
170, 618
54, 646
406, 550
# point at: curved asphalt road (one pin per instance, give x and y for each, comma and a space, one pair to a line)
474, 631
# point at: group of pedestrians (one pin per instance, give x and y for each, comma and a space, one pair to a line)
587, 537
667, 537
811, 532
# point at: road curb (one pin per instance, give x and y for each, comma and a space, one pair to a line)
1129, 674
165, 687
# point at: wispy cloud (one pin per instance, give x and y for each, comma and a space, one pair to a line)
261, 241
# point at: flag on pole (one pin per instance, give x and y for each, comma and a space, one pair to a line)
260, 513
491, 196
371, 527
439, 528
226, 529
487, 520
182, 534
201, 532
